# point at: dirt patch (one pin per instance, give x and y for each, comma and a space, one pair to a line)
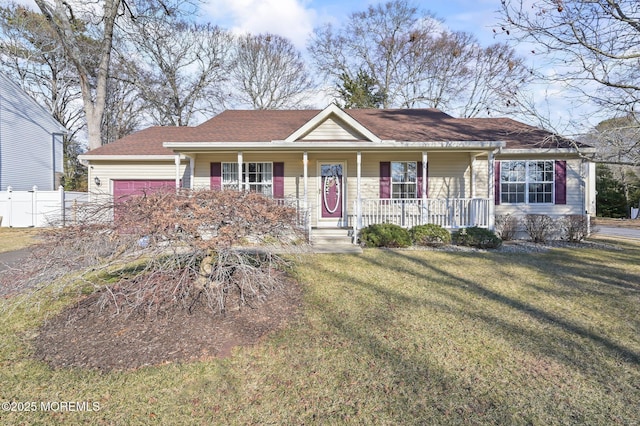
88, 337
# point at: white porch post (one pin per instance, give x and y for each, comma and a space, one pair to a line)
472, 160
358, 224
305, 179
240, 183
423, 189
192, 170
491, 191
177, 162
305, 194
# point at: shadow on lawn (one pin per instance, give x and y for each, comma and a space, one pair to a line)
608, 276
416, 388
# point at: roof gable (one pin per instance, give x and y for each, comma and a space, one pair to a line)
330, 123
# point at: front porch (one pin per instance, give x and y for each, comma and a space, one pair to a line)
451, 213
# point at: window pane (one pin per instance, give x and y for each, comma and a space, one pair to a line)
230, 176
404, 179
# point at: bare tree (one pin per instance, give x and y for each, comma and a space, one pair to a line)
63, 16
182, 70
269, 72
497, 76
416, 62
34, 58
92, 62
593, 45
376, 41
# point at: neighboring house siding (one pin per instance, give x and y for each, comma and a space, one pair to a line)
31, 141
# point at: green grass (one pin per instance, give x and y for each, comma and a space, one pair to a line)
17, 238
391, 337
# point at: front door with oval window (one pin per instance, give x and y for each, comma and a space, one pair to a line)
332, 192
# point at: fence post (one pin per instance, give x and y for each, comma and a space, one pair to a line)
63, 209
9, 206
34, 206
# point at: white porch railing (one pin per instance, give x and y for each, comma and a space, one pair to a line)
447, 212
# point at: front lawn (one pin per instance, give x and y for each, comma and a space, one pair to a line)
17, 238
388, 337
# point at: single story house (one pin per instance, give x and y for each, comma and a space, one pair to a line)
31, 141
348, 168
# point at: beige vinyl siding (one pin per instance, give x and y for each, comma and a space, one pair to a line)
108, 171
480, 168
333, 130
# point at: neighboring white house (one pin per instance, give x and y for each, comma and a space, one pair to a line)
351, 168
31, 141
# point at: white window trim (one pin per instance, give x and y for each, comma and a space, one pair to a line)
392, 183
245, 184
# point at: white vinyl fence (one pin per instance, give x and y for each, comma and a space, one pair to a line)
23, 209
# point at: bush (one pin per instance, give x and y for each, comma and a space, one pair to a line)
430, 235
164, 249
539, 227
385, 235
575, 228
477, 237
507, 227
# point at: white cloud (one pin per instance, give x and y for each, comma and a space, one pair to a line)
288, 18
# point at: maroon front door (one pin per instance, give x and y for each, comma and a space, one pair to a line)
331, 190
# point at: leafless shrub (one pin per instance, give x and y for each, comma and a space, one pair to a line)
575, 228
507, 226
218, 249
539, 227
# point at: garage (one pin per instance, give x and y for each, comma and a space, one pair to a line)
122, 189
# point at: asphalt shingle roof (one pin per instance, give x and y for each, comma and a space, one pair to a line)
411, 125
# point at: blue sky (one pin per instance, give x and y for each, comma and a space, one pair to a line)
295, 19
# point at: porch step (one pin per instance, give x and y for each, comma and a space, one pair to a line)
331, 240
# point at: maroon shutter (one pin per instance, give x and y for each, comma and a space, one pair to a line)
216, 176
420, 178
278, 180
496, 178
561, 182
385, 179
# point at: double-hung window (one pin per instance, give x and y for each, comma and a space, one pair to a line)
530, 182
404, 179
255, 177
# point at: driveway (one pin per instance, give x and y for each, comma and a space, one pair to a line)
609, 231
11, 258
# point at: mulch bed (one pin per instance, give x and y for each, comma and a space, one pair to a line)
86, 336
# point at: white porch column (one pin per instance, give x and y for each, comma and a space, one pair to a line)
177, 162
305, 179
423, 189
491, 191
192, 170
358, 190
472, 171
240, 183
